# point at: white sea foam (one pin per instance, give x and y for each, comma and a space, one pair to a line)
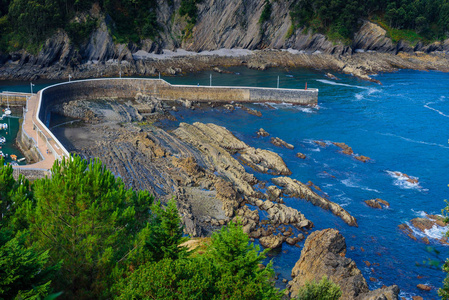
436, 232
350, 183
342, 84
367, 93
283, 105
413, 141
371, 190
403, 181
442, 99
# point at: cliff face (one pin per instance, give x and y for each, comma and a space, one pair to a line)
230, 24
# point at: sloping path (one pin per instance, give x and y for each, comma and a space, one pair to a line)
45, 142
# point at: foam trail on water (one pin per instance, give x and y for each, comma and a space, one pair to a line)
342, 84
427, 105
413, 141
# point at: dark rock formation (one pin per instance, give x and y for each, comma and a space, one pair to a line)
324, 254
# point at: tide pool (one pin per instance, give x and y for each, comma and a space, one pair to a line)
402, 125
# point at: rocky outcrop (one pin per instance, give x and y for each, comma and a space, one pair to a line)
348, 151
281, 143
280, 214
264, 161
262, 132
423, 224
377, 203
324, 254
298, 189
300, 155
272, 241
372, 37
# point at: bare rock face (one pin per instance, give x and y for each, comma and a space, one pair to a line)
298, 189
324, 255
282, 214
264, 161
272, 241
373, 37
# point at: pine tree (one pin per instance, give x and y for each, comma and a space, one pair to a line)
24, 273
86, 217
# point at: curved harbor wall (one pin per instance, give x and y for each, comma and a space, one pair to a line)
129, 87
122, 88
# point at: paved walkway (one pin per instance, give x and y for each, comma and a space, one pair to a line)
31, 126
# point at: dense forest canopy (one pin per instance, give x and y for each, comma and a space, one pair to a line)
26, 23
428, 18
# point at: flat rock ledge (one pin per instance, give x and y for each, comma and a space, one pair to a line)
324, 254
298, 189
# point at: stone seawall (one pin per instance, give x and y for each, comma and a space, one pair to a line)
30, 174
129, 87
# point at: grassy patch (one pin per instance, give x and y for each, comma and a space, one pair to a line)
397, 35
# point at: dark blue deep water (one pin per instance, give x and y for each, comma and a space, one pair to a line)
402, 125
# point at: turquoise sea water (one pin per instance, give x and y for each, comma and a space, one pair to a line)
401, 125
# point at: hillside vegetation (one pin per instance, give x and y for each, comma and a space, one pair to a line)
27, 23
403, 19
82, 235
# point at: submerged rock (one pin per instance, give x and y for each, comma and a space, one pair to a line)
324, 254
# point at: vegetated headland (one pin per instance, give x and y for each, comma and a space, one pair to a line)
99, 39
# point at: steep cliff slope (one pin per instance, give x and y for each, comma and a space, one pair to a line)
233, 24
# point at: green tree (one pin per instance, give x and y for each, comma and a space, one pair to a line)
444, 291
164, 234
86, 218
323, 290
24, 272
228, 270
170, 280
238, 263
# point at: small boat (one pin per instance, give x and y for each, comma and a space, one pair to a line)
13, 156
2, 139
3, 126
7, 111
14, 164
3, 154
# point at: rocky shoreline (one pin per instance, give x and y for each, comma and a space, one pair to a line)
360, 65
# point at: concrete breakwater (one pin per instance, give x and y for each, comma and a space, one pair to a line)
122, 88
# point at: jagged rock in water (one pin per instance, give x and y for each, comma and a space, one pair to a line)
262, 132
300, 155
280, 143
272, 241
298, 189
324, 254
377, 203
